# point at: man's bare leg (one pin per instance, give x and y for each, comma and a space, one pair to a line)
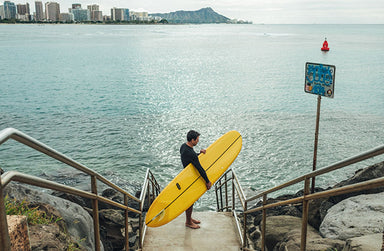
189, 221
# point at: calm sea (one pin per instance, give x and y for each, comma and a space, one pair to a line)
120, 99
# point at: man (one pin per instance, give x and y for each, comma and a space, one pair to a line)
188, 155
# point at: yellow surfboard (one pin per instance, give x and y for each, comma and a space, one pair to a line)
188, 186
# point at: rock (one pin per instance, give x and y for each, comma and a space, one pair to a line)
277, 227
112, 221
368, 173
50, 237
284, 233
18, 232
84, 202
315, 242
354, 217
371, 242
78, 222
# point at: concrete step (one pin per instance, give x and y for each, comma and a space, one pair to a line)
217, 232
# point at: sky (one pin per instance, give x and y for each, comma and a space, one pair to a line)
258, 11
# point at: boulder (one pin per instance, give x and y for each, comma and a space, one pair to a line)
371, 242
367, 173
284, 232
112, 223
50, 237
354, 217
78, 222
277, 227
315, 242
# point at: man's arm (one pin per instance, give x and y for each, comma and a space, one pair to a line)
197, 165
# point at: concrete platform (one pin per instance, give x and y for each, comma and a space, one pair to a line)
217, 232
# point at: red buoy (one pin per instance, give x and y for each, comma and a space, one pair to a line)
325, 46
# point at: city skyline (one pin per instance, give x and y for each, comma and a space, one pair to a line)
262, 11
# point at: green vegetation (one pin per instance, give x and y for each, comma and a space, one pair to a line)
34, 215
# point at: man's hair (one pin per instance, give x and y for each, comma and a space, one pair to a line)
192, 135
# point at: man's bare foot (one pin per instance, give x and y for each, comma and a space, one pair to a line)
192, 225
196, 221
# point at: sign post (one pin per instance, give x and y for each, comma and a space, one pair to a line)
319, 80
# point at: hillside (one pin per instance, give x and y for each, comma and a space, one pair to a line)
202, 16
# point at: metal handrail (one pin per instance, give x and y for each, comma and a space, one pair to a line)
6, 178
236, 187
360, 157
149, 182
11, 133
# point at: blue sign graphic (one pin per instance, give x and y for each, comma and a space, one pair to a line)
320, 79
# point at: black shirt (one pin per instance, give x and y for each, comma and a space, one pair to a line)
188, 155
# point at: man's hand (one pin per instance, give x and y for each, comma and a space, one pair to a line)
209, 185
203, 151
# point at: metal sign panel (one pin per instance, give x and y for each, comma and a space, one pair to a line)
320, 79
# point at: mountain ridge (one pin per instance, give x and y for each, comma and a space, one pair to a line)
201, 16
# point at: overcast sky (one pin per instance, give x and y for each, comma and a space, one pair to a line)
258, 11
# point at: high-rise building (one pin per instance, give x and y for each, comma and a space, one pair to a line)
52, 11
139, 16
1, 12
96, 14
93, 7
119, 14
80, 15
39, 12
9, 10
23, 9
66, 17
76, 6
23, 12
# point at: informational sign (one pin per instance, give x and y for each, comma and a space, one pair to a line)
320, 79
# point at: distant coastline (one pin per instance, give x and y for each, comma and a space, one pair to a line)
201, 16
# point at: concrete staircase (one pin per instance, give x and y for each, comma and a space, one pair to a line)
217, 232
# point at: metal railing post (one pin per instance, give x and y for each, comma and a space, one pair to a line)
264, 223
148, 195
226, 192
221, 196
5, 242
233, 192
245, 226
95, 206
304, 223
141, 219
126, 224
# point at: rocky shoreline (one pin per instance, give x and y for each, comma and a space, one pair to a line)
352, 221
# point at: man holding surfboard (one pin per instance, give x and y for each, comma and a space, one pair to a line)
188, 155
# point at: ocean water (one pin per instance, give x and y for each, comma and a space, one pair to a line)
121, 98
